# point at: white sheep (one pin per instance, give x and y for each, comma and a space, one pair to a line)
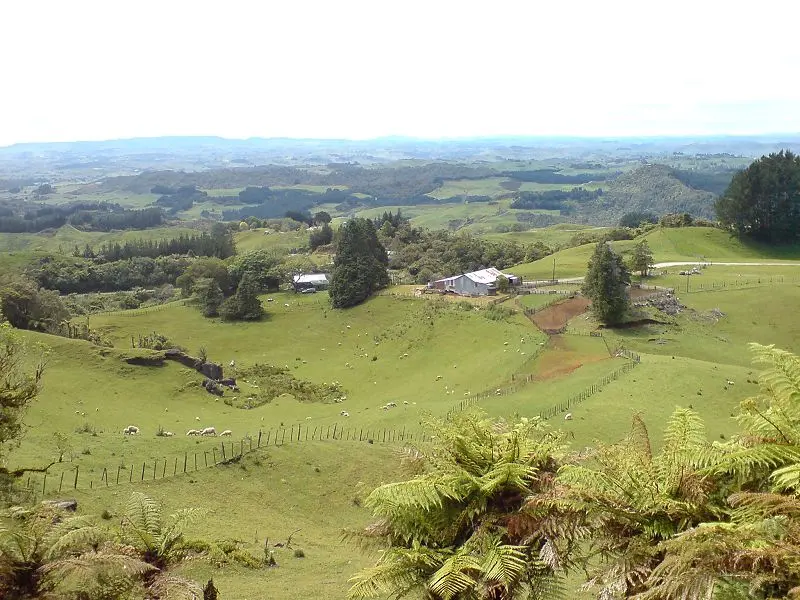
308, 418
197, 418
208, 431
131, 430
729, 382
405, 401
344, 413
193, 432
232, 363
226, 433
286, 305
568, 417
168, 434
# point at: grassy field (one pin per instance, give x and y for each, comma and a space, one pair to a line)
257, 239
423, 354
65, 238
679, 244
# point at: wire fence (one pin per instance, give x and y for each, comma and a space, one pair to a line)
736, 284
54, 481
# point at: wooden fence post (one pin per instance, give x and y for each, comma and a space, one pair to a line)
44, 484
223, 452
214, 450
144, 465
259, 438
75, 486
60, 483
164, 471
130, 479
185, 460
175, 470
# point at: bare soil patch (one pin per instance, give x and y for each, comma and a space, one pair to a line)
554, 318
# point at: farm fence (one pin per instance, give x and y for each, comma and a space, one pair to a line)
52, 481
520, 382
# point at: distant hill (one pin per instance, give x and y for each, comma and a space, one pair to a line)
650, 188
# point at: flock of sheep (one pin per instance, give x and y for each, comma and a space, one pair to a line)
134, 430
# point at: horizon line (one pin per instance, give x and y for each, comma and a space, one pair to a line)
397, 137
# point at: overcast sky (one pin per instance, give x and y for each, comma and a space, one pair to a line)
82, 69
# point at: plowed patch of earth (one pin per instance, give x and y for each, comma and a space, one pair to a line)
554, 318
561, 359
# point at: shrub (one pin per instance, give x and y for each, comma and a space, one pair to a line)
298, 553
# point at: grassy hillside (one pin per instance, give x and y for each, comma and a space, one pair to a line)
667, 244
650, 188
67, 237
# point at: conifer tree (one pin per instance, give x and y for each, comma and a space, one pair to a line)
642, 258
359, 268
605, 284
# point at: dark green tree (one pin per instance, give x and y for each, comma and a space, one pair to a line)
244, 305
204, 268
605, 284
209, 296
264, 268
322, 217
320, 237
763, 201
359, 268
642, 258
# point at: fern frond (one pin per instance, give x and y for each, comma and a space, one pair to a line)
172, 587
143, 514
453, 578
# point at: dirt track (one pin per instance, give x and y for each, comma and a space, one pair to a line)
553, 318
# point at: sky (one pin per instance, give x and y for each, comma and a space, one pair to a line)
93, 70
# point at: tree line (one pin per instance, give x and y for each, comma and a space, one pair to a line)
94, 216
218, 243
562, 200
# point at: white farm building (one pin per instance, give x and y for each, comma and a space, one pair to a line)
304, 281
477, 283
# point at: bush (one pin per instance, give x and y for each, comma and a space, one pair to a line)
298, 553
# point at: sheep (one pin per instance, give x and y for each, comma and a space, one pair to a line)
405, 401
308, 418
568, 417
168, 434
438, 377
226, 433
208, 431
286, 305
232, 363
729, 382
197, 418
193, 432
344, 413
130, 430
391, 404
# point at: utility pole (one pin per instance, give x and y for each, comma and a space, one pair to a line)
688, 274
554, 270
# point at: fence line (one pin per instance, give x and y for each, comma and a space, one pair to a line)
52, 481
577, 399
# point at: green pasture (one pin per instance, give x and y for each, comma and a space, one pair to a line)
553, 236
261, 239
65, 238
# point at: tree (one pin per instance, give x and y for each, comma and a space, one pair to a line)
359, 268
18, 384
321, 237
204, 268
456, 529
209, 296
635, 219
244, 305
605, 284
322, 217
264, 268
642, 258
502, 284
27, 306
763, 201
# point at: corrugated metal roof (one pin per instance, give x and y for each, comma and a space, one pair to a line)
313, 278
486, 276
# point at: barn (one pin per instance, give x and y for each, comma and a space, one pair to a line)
476, 283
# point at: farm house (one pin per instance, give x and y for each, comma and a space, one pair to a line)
304, 281
476, 283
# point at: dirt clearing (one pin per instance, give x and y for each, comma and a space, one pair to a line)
554, 318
